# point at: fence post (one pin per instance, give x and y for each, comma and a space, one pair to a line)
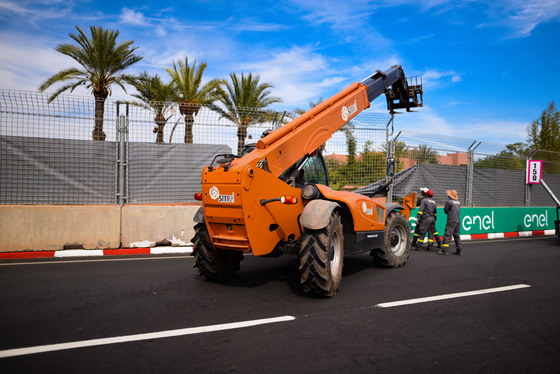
470, 174
527, 185
527, 194
122, 156
390, 154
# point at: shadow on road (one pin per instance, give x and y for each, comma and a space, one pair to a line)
259, 271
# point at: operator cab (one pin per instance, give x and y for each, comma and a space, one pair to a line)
309, 169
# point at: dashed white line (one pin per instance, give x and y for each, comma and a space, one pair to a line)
451, 296
138, 337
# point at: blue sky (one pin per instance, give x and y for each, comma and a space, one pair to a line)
489, 67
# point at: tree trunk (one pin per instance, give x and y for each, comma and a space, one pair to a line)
158, 130
189, 109
98, 133
241, 135
189, 122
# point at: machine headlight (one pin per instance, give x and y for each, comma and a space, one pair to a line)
310, 192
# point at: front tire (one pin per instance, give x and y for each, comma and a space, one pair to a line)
396, 243
214, 264
321, 258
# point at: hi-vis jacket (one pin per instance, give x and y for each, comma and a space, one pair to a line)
428, 207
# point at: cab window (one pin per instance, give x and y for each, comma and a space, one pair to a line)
314, 171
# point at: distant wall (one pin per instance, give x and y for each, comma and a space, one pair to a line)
52, 227
148, 225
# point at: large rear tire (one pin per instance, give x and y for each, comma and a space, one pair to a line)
321, 258
214, 264
396, 243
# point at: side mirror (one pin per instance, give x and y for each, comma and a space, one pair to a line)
390, 167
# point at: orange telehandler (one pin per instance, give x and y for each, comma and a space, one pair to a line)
275, 199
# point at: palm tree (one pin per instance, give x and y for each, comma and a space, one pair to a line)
244, 98
312, 104
102, 61
156, 96
425, 155
190, 92
401, 151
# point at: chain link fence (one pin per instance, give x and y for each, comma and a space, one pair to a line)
155, 152
484, 174
47, 155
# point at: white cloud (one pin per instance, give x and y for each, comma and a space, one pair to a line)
424, 120
160, 31
436, 78
526, 15
494, 130
24, 68
351, 22
26, 11
12, 6
488, 130
298, 75
131, 17
340, 15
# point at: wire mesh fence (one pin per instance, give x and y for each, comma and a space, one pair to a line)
52, 153
47, 155
483, 173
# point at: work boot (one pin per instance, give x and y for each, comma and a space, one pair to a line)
458, 253
429, 248
443, 252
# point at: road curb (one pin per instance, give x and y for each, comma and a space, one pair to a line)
67, 253
96, 252
502, 235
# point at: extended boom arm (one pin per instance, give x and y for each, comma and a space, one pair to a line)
283, 147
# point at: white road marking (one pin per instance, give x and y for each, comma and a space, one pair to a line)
451, 296
138, 337
79, 253
95, 260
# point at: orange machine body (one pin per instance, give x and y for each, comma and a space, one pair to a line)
232, 194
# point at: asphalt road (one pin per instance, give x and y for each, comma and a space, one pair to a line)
85, 302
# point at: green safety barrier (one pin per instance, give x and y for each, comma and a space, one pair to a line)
496, 220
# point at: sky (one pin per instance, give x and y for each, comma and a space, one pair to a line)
489, 68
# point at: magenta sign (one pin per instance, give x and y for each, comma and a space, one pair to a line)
534, 171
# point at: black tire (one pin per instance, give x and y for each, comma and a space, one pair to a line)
321, 258
396, 242
214, 264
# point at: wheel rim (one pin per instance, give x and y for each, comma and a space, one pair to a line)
335, 253
398, 241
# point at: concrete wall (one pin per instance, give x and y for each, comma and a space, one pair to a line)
148, 225
52, 227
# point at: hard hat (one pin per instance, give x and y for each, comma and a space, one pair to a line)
430, 193
424, 189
